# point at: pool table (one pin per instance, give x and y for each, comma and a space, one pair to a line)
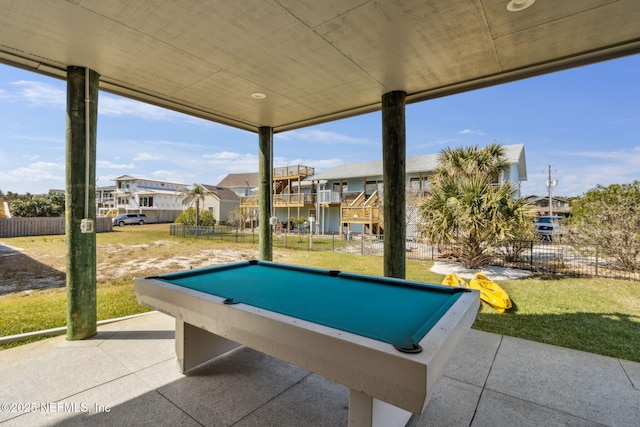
388, 340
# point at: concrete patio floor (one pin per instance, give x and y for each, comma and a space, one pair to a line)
127, 375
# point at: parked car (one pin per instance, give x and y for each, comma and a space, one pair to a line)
124, 219
548, 227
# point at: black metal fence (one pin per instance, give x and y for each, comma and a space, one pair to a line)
543, 257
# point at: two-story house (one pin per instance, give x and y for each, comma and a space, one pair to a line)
160, 201
221, 202
349, 198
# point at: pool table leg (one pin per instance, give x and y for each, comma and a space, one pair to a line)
195, 345
370, 412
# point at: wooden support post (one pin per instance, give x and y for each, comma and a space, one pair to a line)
265, 171
82, 117
394, 176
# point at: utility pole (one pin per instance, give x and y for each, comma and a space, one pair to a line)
550, 184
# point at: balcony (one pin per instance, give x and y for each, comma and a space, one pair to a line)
292, 172
328, 197
281, 200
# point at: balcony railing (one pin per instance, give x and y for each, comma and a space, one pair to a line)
280, 200
292, 172
296, 199
361, 214
328, 197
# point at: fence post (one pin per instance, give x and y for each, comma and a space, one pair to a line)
531, 255
597, 254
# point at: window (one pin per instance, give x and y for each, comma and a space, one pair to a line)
146, 201
418, 183
336, 187
373, 186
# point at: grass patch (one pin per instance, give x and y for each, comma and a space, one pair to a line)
595, 315
47, 309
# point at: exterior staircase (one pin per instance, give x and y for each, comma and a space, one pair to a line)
364, 210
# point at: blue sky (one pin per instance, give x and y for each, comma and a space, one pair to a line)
585, 122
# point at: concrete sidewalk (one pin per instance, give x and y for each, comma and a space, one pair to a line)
127, 375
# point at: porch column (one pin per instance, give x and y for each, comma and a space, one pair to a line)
394, 175
265, 171
80, 208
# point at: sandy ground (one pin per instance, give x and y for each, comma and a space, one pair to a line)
20, 271
492, 272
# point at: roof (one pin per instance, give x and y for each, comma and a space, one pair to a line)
157, 191
533, 199
424, 163
288, 64
240, 180
221, 192
142, 178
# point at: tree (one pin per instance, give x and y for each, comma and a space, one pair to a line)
194, 195
49, 205
609, 217
466, 206
188, 217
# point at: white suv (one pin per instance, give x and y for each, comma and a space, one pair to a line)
129, 219
548, 227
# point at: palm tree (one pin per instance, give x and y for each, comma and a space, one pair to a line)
468, 207
194, 195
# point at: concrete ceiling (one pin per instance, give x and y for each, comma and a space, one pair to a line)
315, 60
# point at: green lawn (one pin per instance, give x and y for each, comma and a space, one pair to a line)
595, 315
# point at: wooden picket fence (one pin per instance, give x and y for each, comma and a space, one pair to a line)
20, 227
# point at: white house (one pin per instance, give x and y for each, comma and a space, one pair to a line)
160, 201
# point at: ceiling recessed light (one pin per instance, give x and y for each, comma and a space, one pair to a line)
258, 95
518, 5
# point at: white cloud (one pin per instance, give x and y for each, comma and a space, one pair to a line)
471, 132
323, 137
233, 162
115, 107
40, 175
37, 94
110, 165
146, 156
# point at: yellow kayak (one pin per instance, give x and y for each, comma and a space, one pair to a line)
452, 279
490, 292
